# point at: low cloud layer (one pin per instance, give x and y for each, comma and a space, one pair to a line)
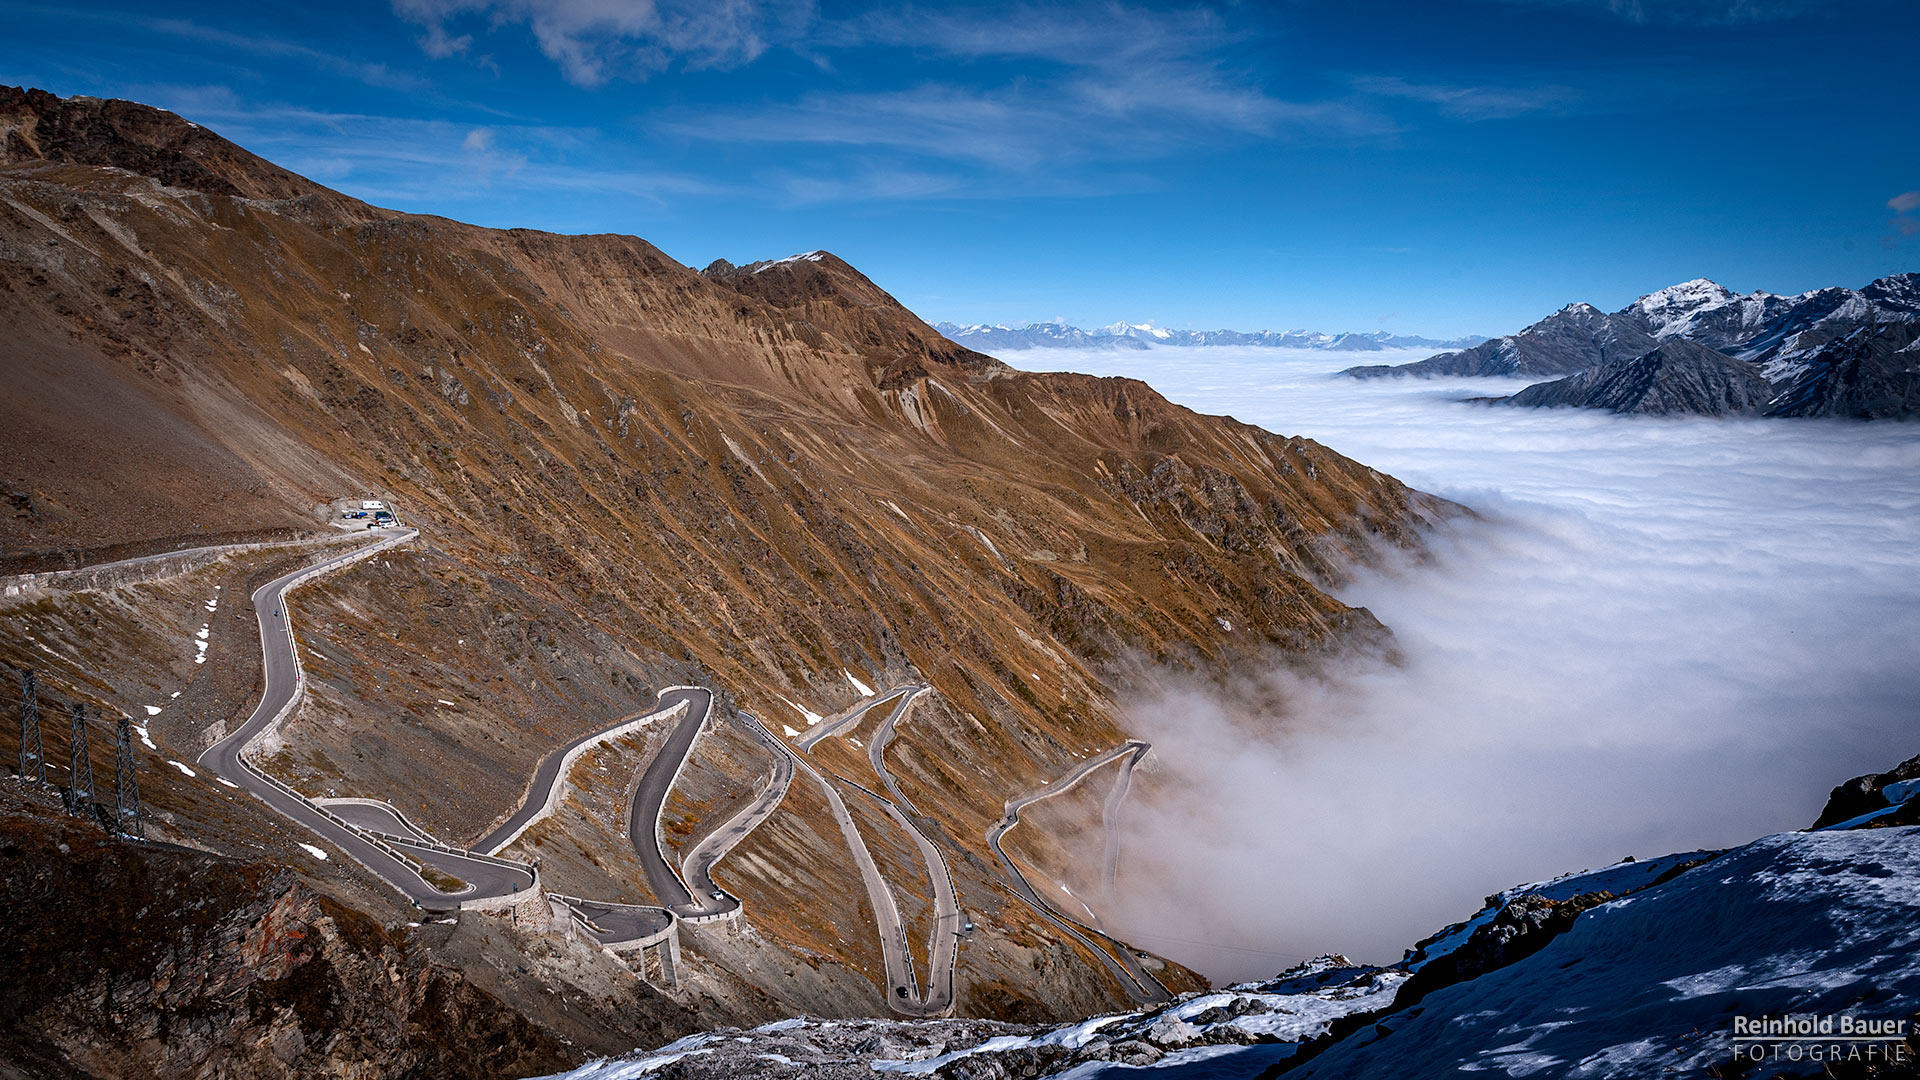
1662, 634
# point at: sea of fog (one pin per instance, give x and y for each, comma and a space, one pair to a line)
1663, 634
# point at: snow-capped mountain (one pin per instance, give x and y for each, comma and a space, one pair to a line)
987, 338
1829, 352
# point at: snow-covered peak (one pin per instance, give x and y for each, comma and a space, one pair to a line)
1698, 291
805, 256
1669, 309
1898, 287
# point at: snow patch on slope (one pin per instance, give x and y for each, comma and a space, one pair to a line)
1821, 923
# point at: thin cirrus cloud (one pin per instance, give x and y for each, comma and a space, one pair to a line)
414, 162
1021, 91
1470, 103
1688, 12
594, 41
254, 46
1031, 87
1018, 127
1090, 82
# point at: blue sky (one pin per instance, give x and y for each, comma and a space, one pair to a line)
1415, 167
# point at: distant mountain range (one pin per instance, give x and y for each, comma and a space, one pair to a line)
1121, 335
1699, 347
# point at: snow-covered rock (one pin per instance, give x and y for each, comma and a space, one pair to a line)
1242, 1028
1823, 923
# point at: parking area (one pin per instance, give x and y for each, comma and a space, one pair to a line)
363, 512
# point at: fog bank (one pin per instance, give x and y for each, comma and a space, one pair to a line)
1663, 634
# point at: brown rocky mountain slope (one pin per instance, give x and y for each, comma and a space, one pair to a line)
628, 474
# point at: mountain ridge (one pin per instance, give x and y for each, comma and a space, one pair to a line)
626, 474
1826, 352
1134, 336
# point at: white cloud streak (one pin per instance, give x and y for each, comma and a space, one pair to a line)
413, 163
1665, 633
594, 41
253, 46
1470, 103
1098, 83
1041, 95
1686, 12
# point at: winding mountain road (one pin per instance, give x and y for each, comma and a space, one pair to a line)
609, 923
904, 994
650, 802
1139, 984
285, 683
845, 719
543, 788
943, 943
697, 868
380, 837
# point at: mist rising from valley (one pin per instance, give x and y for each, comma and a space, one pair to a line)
1661, 634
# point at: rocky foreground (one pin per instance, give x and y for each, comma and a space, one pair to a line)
1631, 970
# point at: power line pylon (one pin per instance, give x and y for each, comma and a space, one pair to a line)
127, 819
33, 759
80, 766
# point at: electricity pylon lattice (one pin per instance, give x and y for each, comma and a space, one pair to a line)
33, 759
126, 789
80, 765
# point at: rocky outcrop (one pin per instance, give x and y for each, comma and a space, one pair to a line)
37, 127
1577, 337
1677, 377
1865, 794
826, 296
1872, 373
1308, 1003
1518, 930
125, 959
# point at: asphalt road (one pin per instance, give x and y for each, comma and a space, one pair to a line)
282, 673
612, 924
142, 560
374, 816
943, 943
697, 868
846, 718
1116, 955
902, 987
904, 994
547, 774
650, 801
1110, 825
372, 832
